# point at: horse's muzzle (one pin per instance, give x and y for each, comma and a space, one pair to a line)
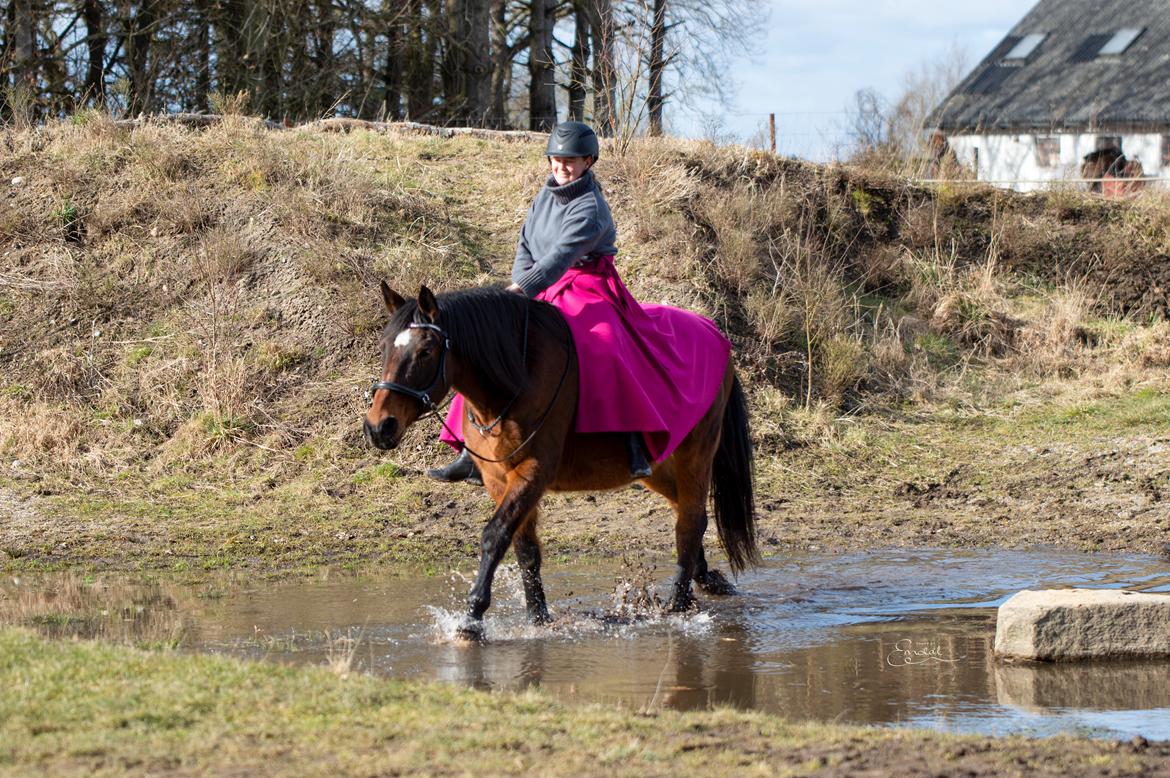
385, 435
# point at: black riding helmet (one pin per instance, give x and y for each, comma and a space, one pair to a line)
573, 139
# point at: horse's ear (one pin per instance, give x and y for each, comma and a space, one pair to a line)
393, 300
428, 305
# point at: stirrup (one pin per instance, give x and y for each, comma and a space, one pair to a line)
636, 448
462, 468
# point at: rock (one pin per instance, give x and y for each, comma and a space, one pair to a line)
1067, 624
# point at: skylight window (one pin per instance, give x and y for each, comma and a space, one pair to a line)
1026, 45
1120, 41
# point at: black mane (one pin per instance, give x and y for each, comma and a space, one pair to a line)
486, 327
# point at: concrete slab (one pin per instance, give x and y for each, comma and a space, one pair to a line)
1076, 624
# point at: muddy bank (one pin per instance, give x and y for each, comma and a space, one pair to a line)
1083, 477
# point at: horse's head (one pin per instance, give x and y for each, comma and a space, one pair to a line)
414, 375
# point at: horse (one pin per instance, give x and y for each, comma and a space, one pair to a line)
514, 361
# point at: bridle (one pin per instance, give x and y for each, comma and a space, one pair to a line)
423, 396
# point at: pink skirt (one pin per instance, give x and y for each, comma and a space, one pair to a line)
652, 369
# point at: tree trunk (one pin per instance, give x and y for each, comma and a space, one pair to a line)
542, 86
604, 72
140, 29
227, 20
95, 42
24, 27
272, 44
502, 58
202, 65
477, 70
323, 55
451, 67
579, 64
300, 76
466, 71
392, 73
655, 99
419, 67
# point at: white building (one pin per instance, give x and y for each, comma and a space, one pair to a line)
1071, 78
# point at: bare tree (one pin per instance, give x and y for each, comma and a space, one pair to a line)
95, 34
542, 86
465, 61
466, 66
895, 133
578, 85
421, 46
603, 33
139, 26
25, 18
694, 41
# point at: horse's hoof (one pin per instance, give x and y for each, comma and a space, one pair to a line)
714, 582
541, 619
682, 604
471, 630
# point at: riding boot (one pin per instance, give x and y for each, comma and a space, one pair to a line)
636, 447
462, 468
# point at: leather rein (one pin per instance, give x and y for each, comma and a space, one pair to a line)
423, 396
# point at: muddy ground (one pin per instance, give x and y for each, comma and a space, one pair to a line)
1100, 482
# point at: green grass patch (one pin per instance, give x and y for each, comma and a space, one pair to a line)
137, 355
17, 391
381, 472
1140, 410
940, 351
83, 707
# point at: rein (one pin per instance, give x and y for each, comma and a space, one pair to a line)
423, 396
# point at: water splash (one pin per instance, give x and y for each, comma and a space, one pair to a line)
633, 608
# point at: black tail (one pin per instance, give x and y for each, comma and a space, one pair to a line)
731, 487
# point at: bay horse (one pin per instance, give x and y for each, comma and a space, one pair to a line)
513, 360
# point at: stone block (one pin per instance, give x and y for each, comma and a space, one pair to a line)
1075, 624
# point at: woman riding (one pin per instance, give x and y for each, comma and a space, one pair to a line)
642, 355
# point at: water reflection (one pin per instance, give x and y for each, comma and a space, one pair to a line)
894, 638
1039, 688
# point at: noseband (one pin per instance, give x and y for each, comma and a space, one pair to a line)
422, 395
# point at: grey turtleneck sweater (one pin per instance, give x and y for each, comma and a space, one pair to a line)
566, 226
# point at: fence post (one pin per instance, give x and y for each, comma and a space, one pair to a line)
772, 131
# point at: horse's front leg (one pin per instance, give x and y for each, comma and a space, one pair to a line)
519, 499
690, 523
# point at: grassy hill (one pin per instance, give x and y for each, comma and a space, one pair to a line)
188, 320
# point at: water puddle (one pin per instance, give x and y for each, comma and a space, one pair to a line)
890, 638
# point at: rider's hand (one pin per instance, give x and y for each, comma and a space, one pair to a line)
516, 289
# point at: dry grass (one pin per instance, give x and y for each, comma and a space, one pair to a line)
177, 298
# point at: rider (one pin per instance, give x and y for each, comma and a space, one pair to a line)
569, 225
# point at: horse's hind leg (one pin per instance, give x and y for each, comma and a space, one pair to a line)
711, 580
527, 548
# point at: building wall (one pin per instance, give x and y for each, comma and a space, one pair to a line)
1012, 161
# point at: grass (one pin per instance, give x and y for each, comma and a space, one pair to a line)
86, 708
1144, 409
812, 463
187, 366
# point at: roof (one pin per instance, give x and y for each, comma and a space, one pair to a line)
1063, 82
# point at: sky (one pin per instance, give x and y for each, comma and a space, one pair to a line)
816, 54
